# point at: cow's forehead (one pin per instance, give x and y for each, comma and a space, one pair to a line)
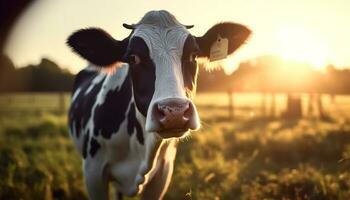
160, 40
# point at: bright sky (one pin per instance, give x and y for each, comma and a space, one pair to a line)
314, 31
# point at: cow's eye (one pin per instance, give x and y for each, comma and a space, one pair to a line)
134, 59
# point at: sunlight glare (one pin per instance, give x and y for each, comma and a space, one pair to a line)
298, 44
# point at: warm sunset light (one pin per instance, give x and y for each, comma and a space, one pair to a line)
185, 99
298, 44
314, 32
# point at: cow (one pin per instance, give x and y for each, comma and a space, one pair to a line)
133, 101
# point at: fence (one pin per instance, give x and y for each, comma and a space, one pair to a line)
34, 103
230, 105
238, 104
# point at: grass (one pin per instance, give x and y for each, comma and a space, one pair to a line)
39, 162
250, 157
274, 160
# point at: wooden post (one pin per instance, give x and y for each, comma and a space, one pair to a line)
263, 104
273, 105
320, 106
294, 109
230, 104
310, 105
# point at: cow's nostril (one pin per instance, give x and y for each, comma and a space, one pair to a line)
159, 112
188, 113
160, 115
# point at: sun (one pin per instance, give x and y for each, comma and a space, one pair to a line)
299, 44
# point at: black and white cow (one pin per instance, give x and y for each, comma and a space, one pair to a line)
126, 123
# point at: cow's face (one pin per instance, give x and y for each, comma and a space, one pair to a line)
161, 54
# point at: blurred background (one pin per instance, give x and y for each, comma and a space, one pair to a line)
275, 116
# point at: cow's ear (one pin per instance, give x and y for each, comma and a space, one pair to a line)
236, 34
97, 46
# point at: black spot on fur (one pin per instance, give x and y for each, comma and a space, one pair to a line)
80, 110
85, 143
143, 74
112, 112
94, 147
139, 132
131, 118
82, 77
97, 46
133, 123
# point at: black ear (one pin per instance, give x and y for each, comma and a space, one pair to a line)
97, 46
235, 33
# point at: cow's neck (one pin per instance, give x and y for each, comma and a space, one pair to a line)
144, 149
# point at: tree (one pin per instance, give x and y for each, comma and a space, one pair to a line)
47, 76
7, 74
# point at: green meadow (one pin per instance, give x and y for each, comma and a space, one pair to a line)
250, 156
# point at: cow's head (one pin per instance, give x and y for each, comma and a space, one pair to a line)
162, 56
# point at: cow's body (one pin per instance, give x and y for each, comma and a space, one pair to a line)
126, 124
111, 137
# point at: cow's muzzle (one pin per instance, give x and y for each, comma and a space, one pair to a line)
173, 117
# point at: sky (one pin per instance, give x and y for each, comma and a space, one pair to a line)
313, 31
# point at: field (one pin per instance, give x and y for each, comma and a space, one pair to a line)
248, 157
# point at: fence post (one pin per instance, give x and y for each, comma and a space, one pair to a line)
310, 104
230, 104
294, 106
263, 103
273, 105
320, 106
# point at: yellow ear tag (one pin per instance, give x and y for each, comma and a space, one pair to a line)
219, 49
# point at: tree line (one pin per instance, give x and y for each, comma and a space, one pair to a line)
46, 76
263, 74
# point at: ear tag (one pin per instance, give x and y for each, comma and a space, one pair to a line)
219, 49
